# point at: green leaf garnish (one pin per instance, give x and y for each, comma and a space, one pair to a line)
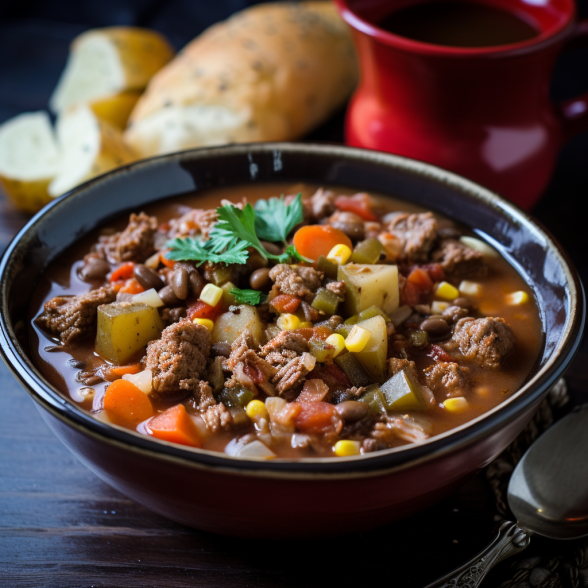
192, 249
274, 219
252, 297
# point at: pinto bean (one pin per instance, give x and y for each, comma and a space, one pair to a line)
197, 283
180, 283
147, 277
272, 248
95, 268
352, 411
259, 279
435, 327
168, 296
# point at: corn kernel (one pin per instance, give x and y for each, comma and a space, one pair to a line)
288, 322
205, 323
256, 409
357, 339
437, 307
345, 448
340, 254
456, 405
211, 294
519, 297
337, 341
468, 288
305, 325
446, 291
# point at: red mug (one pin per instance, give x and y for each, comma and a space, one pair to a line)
481, 112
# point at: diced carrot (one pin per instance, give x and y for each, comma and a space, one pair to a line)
116, 372
316, 417
420, 278
312, 241
123, 272
126, 404
167, 262
174, 425
285, 303
200, 309
360, 204
132, 286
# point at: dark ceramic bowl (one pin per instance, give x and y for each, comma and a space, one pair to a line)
316, 496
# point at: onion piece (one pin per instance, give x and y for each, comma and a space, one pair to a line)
143, 380
149, 297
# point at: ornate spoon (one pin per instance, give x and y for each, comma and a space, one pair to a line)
547, 493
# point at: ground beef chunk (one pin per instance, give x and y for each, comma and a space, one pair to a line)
204, 396
485, 340
337, 288
447, 379
299, 281
417, 233
172, 315
459, 260
178, 359
73, 317
322, 204
369, 445
293, 374
396, 365
135, 243
402, 427
285, 340
217, 417
195, 221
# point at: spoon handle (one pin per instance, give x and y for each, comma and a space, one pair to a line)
511, 539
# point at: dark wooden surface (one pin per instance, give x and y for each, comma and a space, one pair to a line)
60, 526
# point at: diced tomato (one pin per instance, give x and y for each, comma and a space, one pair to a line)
435, 271
200, 309
316, 417
411, 294
285, 303
438, 353
420, 278
132, 286
331, 375
123, 272
360, 204
314, 333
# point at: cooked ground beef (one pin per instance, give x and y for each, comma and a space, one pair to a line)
73, 317
178, 359
285, 340
417, 232
322, 204
459, 260
399, 427
396, 365
337, 288
486, 341
217, 417
135, 243
292, 375
204, 396
172, 315
447, 379
296, 280
195, 221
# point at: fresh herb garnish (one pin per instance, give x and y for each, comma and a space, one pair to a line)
252, 297
274, 219
237, 230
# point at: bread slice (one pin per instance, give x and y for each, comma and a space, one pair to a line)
29, 159
107, 61
271, 72
89, 147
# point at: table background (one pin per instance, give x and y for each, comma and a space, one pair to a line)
60, 526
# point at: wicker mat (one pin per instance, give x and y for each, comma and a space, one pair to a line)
545, 563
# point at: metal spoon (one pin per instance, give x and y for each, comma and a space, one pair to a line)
548, 494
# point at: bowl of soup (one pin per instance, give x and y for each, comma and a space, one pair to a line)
342, 336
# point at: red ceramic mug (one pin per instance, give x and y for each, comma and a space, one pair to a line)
482, 112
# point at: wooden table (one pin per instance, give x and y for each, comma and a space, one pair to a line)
60, 526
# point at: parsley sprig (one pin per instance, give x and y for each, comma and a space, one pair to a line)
252, 297
237, 230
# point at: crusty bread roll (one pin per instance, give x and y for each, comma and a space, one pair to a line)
271, 72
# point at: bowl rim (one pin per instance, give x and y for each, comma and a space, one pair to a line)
374, 464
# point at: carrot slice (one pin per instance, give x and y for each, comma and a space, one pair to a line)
126, 404
132, 286
174, 425
123, 272
312, 241
285, 303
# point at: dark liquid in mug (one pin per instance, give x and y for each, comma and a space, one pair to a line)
458, 24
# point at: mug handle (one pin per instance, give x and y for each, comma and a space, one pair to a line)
574, 112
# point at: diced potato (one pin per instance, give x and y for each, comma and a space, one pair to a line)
229, 325
124, 328
480, 246
149, 297
468, 288
369, 285
143, 380
373, 355
401, 393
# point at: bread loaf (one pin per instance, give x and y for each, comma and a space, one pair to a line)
271, 72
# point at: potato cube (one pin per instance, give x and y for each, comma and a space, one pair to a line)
229, 325
124, 328
373, 355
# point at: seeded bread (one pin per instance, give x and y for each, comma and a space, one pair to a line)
271, 72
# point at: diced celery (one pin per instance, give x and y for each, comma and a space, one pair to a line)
371, 312
328, 267
374, 398
236, 396
352, 320
401, 393
221, 274
344, 330
326, 301
228, 299
368, 251
418, 339
353, 369
321, 351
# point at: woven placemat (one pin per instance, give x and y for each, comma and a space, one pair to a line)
545, 563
